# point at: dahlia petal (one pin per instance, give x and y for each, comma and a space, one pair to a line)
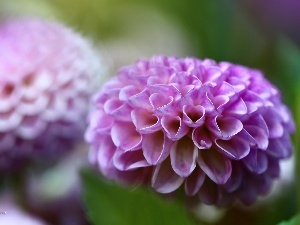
104, 154
220, 102
256, 161
63, 129
258, 121
127, 92
240, 72
6, 104
260, 136
209, 192
225, 89
183, 90
263, 89
235, 148
124, 135
183, 157
174, 127
158, 100
194, 182
56, 108
215, 165
245, 136
201, 138
131, 177
235, 180
200, 97
129, 160
9, 97
263, 183
225, 127
30, 127
76, 107
160, 61
286, 115
211, 75
237, 108
181, 79
163, 78
144, 121
156, 147
29, 92
140, 100
139, 78
207, 103
9, 121
165, 90
6, 142
273, 122
209, 63
280, 147
164, 179
100, 121
247, 194
252, 101
142, 64
118, 109
273, 167
237, 84
193, 116
110, 90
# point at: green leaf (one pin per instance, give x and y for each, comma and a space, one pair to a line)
109, 203
287, 69
294, 221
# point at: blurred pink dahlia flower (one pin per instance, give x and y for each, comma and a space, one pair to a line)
218, 130
46, 76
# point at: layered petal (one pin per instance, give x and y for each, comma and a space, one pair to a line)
164, 179
224, 127
156, 147
256, 161
174, 127
125, 136
183, 156
129, 160
193, 116
280, 147
235, 148
194, 182
215, 165
144, 121
201, 139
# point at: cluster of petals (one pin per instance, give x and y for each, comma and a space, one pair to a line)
46, 79
216, 130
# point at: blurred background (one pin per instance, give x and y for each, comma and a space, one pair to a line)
261, 34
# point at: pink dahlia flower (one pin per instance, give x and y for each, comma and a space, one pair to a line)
46, 74
218, 130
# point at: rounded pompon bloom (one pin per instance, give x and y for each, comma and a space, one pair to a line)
216, 130
47, 74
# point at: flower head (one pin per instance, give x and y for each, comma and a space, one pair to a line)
218, 130
46, 76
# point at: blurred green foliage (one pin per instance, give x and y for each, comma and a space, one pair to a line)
109, 203
294, 221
